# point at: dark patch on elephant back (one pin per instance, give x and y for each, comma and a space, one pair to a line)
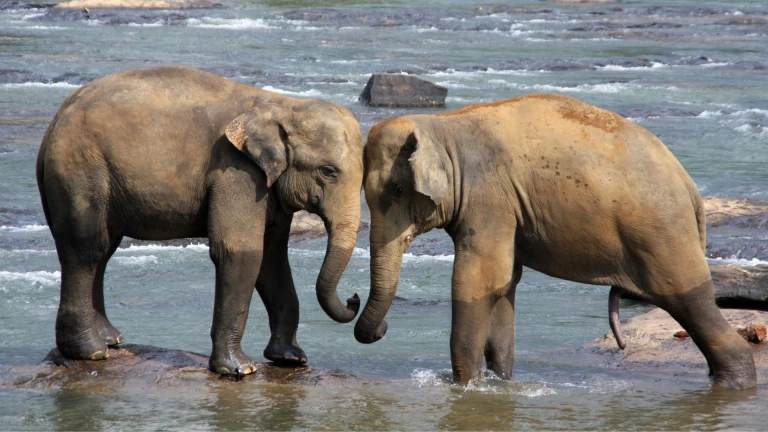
588, 115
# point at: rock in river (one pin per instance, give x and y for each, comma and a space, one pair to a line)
738, 287
651, 343
149, 365
398, 90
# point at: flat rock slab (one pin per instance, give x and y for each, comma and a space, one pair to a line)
154, 366
139, 4
740, 212
651, 343
741, 287
398, 90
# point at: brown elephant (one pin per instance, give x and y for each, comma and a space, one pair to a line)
176, 152
553, 184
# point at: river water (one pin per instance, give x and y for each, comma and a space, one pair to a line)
693, 72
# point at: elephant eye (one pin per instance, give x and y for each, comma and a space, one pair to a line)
329, 172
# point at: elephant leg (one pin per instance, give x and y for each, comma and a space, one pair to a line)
277, 291
500, 347
107, 331
482, 275
236, 240
81, 247
729, 357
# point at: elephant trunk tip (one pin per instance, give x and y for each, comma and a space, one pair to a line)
367, 338
353, 304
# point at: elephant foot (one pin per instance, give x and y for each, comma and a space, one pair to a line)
107, 331
739, 375
232, 363
285, 354
80, 345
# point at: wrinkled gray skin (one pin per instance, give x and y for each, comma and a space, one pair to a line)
175, 152
553, 184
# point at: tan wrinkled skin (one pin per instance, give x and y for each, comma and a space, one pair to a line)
553, 184
176, 152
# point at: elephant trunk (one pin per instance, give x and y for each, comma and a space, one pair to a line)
342, 234
385, 275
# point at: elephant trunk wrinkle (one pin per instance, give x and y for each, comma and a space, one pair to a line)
385, 275
341, 244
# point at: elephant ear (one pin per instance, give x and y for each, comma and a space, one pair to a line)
262, 135
429, 175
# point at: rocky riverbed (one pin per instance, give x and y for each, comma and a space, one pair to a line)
149, 365
651, 344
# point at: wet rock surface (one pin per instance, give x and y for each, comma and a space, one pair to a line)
651, 343
155, 366
737, 228
398, 90
738, 287
738, 212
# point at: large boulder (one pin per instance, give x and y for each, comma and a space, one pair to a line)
738, 287
399, 90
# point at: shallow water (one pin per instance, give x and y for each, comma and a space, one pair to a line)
693, 72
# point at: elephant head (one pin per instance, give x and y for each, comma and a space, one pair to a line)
409, 189
312, 155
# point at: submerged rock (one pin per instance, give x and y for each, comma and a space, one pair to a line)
156, 366
398, 90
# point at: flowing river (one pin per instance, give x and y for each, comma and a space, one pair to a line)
693, 72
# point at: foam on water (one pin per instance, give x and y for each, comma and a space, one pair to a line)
614, 68
154, 24
738, 261
146, 248
34, 277
407, 257
137, 260
489, 383
63, 85
230, 24
25, 228
306, 93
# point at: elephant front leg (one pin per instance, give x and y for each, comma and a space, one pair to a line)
236, 273
500, 347
277, 291
482, 275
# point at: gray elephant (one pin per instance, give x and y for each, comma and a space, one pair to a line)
176, 152
553, 184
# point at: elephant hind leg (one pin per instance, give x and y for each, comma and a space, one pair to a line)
500, 347
107, 331
81, 249
729, 357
